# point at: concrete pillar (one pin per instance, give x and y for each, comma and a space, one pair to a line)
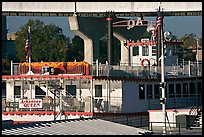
22, 88
94, 29
124, 49
88, 43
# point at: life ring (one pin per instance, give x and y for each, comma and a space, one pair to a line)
142, 62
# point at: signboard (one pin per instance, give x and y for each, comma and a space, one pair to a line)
30, 103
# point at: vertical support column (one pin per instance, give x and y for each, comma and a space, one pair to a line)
88, 43
22, 89
130, 63
54, 105
197, 64
110, 52
163, 83
159, 40
60, 103
97, 67
13, 93
160, 63
125, 57
189, 68
46, 87
91, 83
107, 95
124, 48
11, 67
30, 88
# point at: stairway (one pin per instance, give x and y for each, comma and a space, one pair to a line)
197, 122
69, 102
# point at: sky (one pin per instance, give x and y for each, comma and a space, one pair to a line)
177, 25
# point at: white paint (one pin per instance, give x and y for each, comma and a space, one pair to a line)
157, 116
30, 103
38, 117
100, 6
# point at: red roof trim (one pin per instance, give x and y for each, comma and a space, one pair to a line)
46, 113
5, 77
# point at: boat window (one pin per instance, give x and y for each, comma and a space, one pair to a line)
98, 90
192, 89
136, 51
142, 91
156, 91
199, 88
145, 50
3, 90
17, 91
185, 89
71, 89
171, 90
149, 91
178, 90
39, 93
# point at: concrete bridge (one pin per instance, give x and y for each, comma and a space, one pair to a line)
121, 9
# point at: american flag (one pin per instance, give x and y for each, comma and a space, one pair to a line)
27, 46
158, 23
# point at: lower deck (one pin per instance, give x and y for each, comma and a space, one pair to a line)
100, 94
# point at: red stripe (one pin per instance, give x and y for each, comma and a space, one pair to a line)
109, 19
45, 113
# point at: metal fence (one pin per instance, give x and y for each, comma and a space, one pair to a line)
177, 129
181, 69
177, 102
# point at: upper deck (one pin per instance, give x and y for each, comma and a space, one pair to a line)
179, 70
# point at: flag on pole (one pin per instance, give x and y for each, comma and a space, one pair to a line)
27, 46
158, 23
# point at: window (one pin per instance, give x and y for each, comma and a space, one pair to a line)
199, 88
142, 91
17, 91
178, 90
3, 89
166, 94
39, 92
149, 91
156, 91
154, 50
98, 90
171, 90
71, 89
145, 50
136, 51
192, 89
185, 89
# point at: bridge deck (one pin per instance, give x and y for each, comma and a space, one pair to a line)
121, 9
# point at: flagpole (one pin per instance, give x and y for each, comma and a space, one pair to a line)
29, 59
163, 83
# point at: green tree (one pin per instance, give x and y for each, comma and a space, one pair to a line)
104, 50
76, 49
47, 42
5, 66
189, 44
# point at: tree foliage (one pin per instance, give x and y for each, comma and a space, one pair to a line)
76, 49
5, 66
47, 42
189, 44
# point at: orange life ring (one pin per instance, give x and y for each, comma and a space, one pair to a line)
142, 62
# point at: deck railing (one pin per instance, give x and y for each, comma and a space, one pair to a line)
100, 104
183, 69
